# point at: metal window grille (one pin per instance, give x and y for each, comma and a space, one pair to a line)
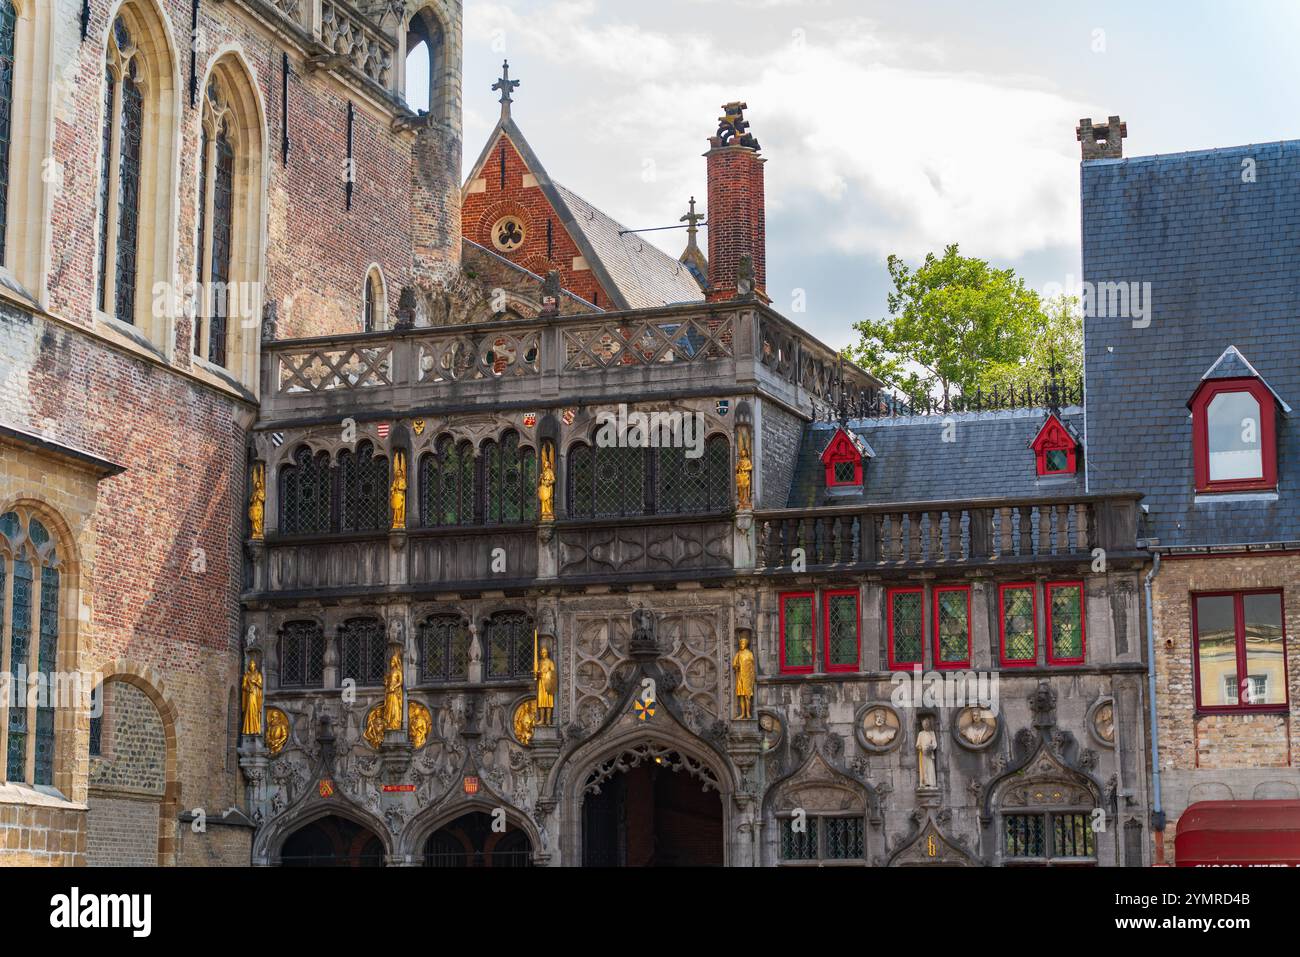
128, 195
362, 650
305, 494
799, 844
581, 481
510, 645
302, 655
846, 473
1072, 836
223, 205
447, 485
618, 480
444, 649
797, 637
1018, 623
842, 630
954, 642
510, 478
365, 490
1067, 628
1023, 835
8, 21
684, 484
19, 643
905, 634
844, 837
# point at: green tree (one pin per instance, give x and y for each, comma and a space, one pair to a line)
956, 324
1056, 336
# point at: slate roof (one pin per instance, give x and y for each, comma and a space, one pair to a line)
634, 272
990, 458
1223, 256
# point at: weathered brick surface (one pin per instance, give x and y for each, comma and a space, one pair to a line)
121, 831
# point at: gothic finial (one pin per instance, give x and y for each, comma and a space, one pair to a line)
506, 86
692, 219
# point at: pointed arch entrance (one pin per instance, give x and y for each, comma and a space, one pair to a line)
476, 840
332, 841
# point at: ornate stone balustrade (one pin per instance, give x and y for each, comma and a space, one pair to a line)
346, 32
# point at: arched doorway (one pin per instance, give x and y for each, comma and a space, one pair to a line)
472, 841
652, 807
332, 841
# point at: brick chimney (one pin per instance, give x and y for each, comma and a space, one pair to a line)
737, 220
1105, 141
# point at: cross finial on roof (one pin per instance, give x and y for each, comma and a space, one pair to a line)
692, 218
506, 86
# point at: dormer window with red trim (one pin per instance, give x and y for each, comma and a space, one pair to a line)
1234, 435
843, 459
1056, 450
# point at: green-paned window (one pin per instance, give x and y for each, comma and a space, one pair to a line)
842, 631
1072, 836
19, 649
799, 839
46, 657
1065, 622
846, 473
796, 632
1023, 835
952, 625
905, 627
1058, 460
1018, 644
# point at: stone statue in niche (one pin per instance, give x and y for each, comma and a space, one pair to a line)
927, 746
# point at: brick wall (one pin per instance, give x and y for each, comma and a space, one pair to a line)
737, 217
134, 746
122, 831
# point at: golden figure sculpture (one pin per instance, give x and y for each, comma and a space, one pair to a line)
257, 502
544, 672
744, 471
418, 724
397, 494
252, 699
525, 720
277, 729
393, 694
546, 484
374, 733
746, 670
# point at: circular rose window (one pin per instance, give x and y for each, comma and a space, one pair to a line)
508, 233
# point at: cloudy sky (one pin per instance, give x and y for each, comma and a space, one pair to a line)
888, 127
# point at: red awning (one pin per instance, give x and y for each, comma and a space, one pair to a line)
1239, 834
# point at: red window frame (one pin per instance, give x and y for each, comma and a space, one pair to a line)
934, 618
1002, 625
894, 663
1239, 623
826, 628
841, 449
1267, 435
1047, 623
1054, 437
812, 623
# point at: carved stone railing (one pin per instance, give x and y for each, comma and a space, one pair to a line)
345, 31
949, 533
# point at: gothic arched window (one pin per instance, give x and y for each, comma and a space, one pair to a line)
447, 484
29, 590
606, 482
510, 481
369, 322
361, 651
119, 186
216, 225
8, 24
444, 648
425, 57
364, 477
509, 645
685, 484
305, 494
302, 655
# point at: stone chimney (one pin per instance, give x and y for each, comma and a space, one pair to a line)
1105, 141
737, 220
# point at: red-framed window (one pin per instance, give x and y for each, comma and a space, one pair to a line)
1234, 436
952, 626
842, 460
1239, 651
1018, 624
841, 631
906, 626
1055, 449
798, 631
1066, 631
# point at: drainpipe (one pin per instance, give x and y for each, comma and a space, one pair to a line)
1157, 809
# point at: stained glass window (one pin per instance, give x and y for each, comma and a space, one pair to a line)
119, 186
842, 630
361, 651
1072, 835
796, 632
128, 193
204, 146
606, 482
1065, 622
1018, 632
368, 305
952, 624
905, 627
703, 484
46, 659
364, 477
444, 649
844, 838
105, 182
305, 494
510, 478
510, 645
223, 193
447, 484
8, 22
1023, 835
799, 839
19, 656
302, 655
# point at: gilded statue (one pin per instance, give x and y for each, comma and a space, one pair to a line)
525, 720
418, 724
257, 503
277, 729
252, 699
544, 672
393, 694
744, 471
746, 670
374, 733
546, 483
397, 494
